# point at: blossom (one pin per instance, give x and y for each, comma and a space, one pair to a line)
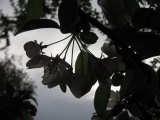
58, 71
38, 61
32, 49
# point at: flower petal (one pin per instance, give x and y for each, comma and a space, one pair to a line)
38, 61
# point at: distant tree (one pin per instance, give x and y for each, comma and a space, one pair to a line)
133, 34
16, 91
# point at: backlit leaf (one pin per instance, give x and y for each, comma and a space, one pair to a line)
101, 99
88, 37
37, 24
81, 65
34, 9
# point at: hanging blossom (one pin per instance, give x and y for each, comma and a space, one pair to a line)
56, 70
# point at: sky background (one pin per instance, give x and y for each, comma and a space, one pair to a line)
52, 103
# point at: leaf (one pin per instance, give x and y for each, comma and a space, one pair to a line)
129, 85
92, 78
134, 110
101, 99
81, 65
143, 85
67, 14
85, 68
88, 37
145, 44
63, 87
34, 99
154, 21
131, 6
117, 109
37, 24
84, 24
141, 17
34, 9
117, 79
123, 116
114, 11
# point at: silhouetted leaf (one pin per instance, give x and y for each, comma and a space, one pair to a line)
123, 116
117, 79
37, 24
117, 109
143, 85
101, 99
131, 6
145, 44
67, 14
34, 99
141, 17
34, 9
88, 37
63, 87
114, 11
134, 110
130, 84
81, 65
154, 21
84, 24
92, 78
85, 67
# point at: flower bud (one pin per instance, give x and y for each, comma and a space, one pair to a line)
32, 49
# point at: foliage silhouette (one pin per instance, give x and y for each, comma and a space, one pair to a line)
16, 90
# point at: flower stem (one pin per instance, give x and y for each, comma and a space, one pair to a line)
45, 46
72, 53
67, 47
